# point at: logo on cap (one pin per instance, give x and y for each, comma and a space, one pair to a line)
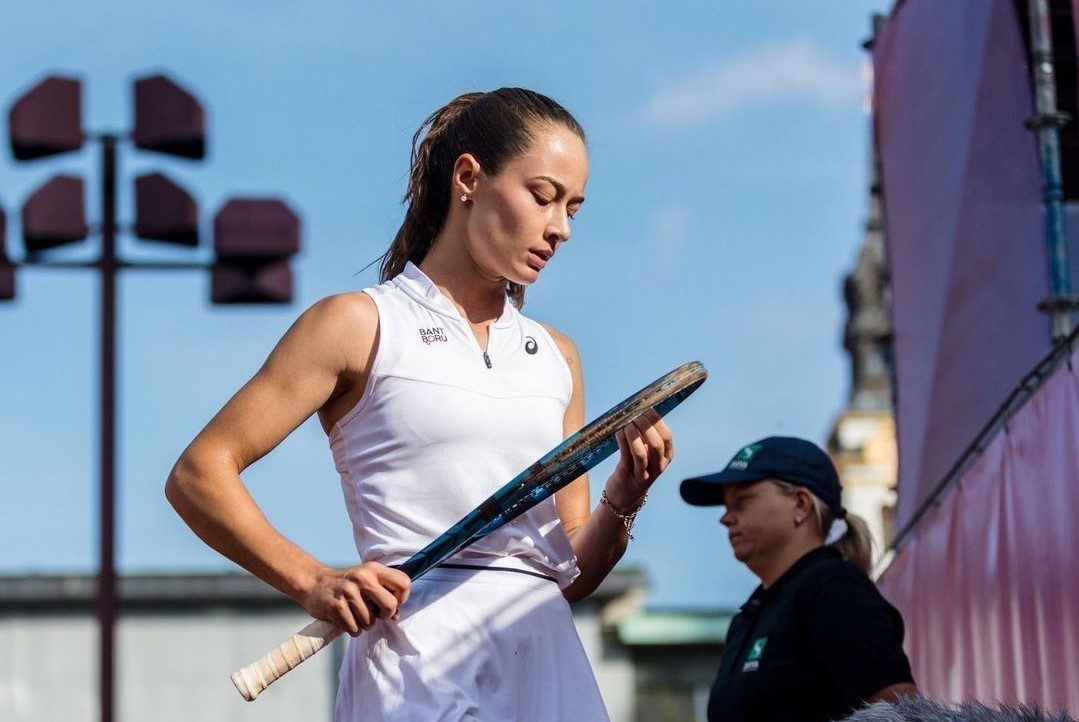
741, 459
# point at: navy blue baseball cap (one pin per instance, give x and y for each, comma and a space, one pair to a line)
786, 458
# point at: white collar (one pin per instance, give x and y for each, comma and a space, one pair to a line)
416, 284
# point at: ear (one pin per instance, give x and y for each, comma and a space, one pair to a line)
803, 505
466, 175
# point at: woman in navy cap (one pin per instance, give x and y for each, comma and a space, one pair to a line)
816, 639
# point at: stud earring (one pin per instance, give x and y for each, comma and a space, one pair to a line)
464, 198
798, 521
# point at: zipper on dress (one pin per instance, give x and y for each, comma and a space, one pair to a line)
486, 356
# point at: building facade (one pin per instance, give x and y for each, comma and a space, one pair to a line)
180, 637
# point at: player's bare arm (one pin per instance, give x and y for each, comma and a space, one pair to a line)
319, 362
599, 538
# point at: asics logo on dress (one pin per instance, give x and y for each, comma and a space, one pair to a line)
433, 335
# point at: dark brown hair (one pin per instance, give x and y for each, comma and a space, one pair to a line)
494, 127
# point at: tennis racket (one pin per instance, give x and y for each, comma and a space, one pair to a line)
560, 466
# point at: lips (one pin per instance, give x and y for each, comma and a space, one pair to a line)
538, 258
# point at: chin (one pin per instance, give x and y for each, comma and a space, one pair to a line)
740, 553
526, 277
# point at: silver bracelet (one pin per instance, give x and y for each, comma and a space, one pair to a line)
627, 518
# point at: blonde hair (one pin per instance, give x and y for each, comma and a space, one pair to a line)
856, 544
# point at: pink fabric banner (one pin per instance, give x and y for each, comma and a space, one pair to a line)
989, 583
964, 224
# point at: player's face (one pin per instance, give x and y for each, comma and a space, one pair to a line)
758, 519
521, 216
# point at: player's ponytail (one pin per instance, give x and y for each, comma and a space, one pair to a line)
494, 127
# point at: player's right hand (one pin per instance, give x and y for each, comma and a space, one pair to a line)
354, 597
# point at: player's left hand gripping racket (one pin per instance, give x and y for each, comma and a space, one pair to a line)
566, 462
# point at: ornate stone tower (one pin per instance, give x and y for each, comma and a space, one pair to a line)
862, 442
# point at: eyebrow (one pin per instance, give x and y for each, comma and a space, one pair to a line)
560, 188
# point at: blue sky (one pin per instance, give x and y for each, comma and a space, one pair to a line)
729, 169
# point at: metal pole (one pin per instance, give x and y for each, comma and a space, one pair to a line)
1047, 122
106, 579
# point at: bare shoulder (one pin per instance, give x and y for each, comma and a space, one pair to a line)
344, 324
344, 310
565, 345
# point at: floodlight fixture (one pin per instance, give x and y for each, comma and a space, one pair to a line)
168, 119
7, 281
55, 214
7, 269
253, 240
256, 229
47, 119
234, 283
165, 212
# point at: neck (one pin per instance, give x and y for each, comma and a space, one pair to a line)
479, 296
770, 570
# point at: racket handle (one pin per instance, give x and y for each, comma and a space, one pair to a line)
257, 676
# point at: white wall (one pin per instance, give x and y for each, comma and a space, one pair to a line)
175, 667
48, 669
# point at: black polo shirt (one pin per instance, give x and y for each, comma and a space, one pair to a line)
809, 648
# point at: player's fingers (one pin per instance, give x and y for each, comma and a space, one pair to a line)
647, 425
344, 618
668, 440
666, 444
653, 442
666, 435
638, 451
625, 452
361, 611
397, 582
384, 602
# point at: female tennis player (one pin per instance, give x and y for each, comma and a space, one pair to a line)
434, 389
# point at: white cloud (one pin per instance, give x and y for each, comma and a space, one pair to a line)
797, 70
668, 231
670, 223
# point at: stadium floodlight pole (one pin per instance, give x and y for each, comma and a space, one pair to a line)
254, 239
106, 594
1047, 121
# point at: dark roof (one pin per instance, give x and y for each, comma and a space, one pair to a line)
222, 589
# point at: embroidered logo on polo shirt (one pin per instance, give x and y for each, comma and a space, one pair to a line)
530, 346
433, 335
741, 459
753, 659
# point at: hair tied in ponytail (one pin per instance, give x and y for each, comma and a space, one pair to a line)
837, 532
494, 127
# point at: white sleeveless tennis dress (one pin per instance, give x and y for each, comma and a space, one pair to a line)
442, 424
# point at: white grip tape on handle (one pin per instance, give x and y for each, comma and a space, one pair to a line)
257, 676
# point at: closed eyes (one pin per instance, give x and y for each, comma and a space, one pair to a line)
544, 202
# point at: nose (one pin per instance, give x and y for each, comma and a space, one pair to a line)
727, 519
558, 229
